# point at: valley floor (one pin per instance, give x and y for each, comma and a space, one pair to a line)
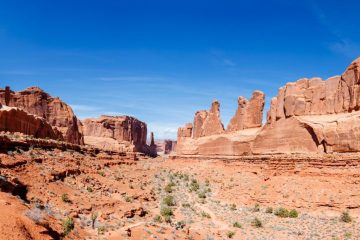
47, 193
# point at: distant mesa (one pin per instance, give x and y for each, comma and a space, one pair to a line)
117, 133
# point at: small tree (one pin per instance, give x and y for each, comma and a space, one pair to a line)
68, 225
93, 219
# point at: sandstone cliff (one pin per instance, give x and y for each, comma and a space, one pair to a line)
308, 116
57, 113
120, 133
207, 123
17, 120
249, 113
208, 137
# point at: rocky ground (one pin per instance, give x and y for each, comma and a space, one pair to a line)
55, 193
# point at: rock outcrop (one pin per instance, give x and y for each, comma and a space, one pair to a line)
116, 133
314, 96
57, 113
308, 116
249, 113
208, 136
17, 120
314, 116
207, 123
166, 146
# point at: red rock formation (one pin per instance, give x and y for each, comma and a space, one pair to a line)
209, 138
57, 113
307, 116
166, 146
120, 133
152, 140
313, 115
207, 123
186, 131
17, 120
339, 94
7, 95
212, 123
249, 113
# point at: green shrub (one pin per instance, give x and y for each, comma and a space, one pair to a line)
201, 195
101, 230
158, 219
282, 212
293, 213
65, 198
89, 189
233, 207
101, 173
237, 225
207, 182
179, 225
168, 188
230, 234
68, 225
169, 200
186, 205
194, 185
256, 208
205, 214
269, 210
166, 211
256, 223
345, 217
167, 219
127, 199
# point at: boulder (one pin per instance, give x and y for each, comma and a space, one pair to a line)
57, 113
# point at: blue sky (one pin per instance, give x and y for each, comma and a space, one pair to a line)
162, 60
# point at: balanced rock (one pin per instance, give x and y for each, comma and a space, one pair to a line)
57, 113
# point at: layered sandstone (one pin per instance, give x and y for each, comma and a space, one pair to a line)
310, 115
207, 123
57, 113
314, 115
249, 113
17, 120
116, 133
208, 137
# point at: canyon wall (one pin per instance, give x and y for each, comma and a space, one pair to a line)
116, 133
57, 113
310, 115
17, 120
